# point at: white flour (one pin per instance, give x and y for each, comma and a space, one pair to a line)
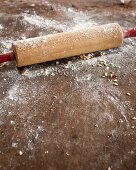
1, 27
50, 71
41, 22
76, 20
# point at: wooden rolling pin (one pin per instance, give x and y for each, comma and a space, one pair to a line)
66, 44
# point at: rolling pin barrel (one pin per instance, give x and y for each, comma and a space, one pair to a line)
61, 45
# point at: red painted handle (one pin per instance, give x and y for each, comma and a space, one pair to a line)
6, 57
130, 33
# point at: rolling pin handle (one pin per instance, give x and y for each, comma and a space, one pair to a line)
130, 33
6, 57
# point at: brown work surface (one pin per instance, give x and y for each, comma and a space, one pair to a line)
68, 114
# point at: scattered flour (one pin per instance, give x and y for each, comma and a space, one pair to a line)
119, 105
6, 44
19, 96
76, 20
13, 93
125, 1
1, 27
20, 153
41, 22
14, 145
50, 71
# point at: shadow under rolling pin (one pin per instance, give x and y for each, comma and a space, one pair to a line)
66, 44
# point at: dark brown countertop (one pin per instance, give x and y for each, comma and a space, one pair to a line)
64, 114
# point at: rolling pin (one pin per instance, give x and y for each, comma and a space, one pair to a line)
61, 45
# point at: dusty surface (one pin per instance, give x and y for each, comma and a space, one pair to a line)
68, 115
